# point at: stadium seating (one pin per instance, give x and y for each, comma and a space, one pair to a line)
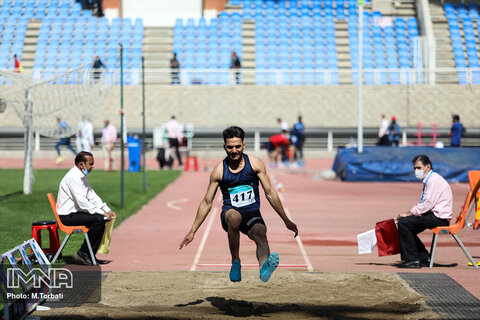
205, 48
69, 37
466, 56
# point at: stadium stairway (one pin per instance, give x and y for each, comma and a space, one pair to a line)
30, 43
343, 51
157, 50
444, 48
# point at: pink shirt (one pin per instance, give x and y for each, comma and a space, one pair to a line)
437, 197
109, 134
173, 129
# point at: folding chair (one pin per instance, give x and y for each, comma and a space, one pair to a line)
473, 178
69, 230
467, 207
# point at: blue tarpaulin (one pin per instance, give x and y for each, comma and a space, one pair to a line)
395, 164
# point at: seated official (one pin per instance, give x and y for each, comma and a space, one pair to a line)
433, 210
79, 205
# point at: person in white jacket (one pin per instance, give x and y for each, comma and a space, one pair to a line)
85, 141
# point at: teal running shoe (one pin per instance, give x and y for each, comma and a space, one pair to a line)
269, 266
236, 271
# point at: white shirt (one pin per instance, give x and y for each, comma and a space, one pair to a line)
75, 194
383, 128
284, 125
173, 129
86, 132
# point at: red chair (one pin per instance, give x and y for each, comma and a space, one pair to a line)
453, 229
52, 228
69, 230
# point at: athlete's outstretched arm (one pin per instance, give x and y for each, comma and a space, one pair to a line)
271, 194
205, 205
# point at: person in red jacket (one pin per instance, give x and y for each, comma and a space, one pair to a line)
280, 144
18, 66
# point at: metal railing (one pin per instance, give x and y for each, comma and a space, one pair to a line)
210, 138
371, 76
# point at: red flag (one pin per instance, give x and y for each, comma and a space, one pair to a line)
387, 238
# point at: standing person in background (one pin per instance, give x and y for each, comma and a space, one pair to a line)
456, 131
383, 133
109, 136
394, 132
283, 125
175, 67
85, 140
298, 137
62, 131
236, 65
96, 66
97, 9
174, 136
18, 68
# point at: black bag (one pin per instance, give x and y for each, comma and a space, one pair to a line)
162, 158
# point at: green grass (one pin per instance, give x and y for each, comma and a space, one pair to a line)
18, 211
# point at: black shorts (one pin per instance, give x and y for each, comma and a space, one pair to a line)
249, 219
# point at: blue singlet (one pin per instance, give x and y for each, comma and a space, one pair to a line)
240, 190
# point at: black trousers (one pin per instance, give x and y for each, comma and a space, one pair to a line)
174, 144
411, 247
95, 224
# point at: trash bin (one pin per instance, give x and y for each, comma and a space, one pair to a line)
133, 145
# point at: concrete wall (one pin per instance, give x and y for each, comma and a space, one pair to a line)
320, 106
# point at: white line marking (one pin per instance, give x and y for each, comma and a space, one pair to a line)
204, 239
300, 245
171, 204
285, 265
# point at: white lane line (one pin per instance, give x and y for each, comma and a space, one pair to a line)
171, 204
299, 240
204, 239
250, 265
300, 245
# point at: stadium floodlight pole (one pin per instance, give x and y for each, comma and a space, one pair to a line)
360, 78
143, 127
121, 125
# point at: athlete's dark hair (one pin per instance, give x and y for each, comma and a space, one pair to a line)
425, 160
233, 132
82, 157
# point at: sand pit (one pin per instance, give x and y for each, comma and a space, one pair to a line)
288, 295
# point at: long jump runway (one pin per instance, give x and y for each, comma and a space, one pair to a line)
329, 215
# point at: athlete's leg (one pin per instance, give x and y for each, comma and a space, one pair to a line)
233, 219
258, 233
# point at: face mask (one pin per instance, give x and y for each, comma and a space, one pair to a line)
419, 174
85, 171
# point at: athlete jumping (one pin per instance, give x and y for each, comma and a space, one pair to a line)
238, 176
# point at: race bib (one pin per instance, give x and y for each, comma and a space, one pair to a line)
242, 196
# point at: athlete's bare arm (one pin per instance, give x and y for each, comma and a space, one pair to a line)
271, 194
205, 205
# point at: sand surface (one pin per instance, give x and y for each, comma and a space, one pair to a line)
288, 295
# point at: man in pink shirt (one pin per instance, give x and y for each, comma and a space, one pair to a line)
174, 135
433, 210
109, 136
